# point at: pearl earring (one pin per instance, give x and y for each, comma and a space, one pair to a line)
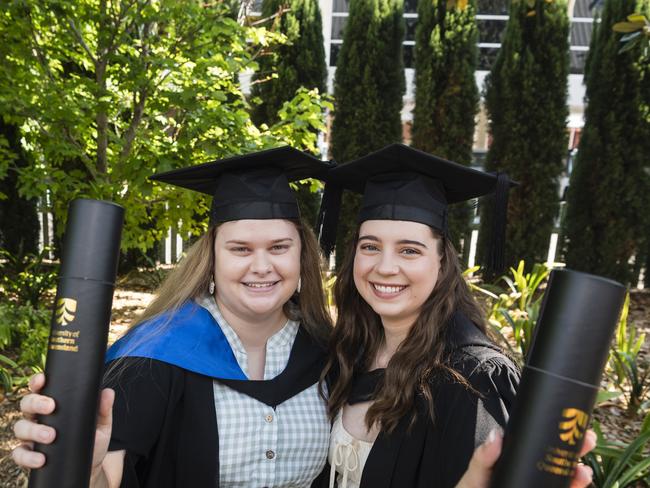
299, 285
211, 287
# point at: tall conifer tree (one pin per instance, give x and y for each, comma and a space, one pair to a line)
608, 197
298, 63
368, 91
446, 95
525, 97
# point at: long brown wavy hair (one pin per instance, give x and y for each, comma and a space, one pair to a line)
190, 280
359, 333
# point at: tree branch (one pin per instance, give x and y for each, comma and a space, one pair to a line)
40, 55
117, 20
244, 8
79, 37
139, 100
281, 11
87, 162
101, 117
138, 112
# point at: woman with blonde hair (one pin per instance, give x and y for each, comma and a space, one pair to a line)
216, 384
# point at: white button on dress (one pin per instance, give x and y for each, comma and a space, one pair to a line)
260, 446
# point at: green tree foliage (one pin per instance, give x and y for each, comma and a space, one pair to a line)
18, 218
525, 98
446, 95
110, 92
608, 197
368, 90
299, 62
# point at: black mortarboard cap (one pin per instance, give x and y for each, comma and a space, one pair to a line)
251, 186
402, 183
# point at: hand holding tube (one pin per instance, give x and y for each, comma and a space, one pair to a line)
482, 463
29, 431
560, 381
77, 344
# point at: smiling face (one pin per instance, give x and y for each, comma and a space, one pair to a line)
257, 267
396, 268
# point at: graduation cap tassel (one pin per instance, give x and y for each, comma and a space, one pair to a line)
328, 217
496, 260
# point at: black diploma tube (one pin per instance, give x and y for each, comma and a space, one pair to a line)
560, 381
77, 345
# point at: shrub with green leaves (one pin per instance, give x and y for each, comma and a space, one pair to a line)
636, 385
514, 311
24, 332
626, 369
24, 315
636, 30
16, 320
7, 366
27, 278
617, 465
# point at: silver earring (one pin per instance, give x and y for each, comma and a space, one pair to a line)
211, 287
299, 284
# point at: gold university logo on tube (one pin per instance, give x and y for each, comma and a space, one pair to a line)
573, 425
66, 308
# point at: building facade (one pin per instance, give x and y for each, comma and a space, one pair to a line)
492, 17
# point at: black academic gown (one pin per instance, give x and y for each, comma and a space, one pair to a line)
435, 455
164, 416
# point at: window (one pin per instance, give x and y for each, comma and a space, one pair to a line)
341, 6
494, 7
577, 60
408, 55
581, 33
338, 24
491, 30
411, 23
486, 57
410, 6
334, 53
